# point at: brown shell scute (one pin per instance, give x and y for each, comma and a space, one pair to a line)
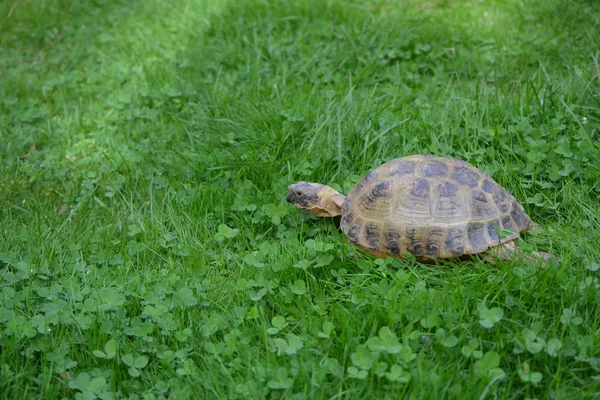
430, 207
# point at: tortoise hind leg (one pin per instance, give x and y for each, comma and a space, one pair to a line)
510, 250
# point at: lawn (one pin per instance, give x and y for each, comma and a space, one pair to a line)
146, 247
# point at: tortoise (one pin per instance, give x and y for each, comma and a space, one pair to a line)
431, 207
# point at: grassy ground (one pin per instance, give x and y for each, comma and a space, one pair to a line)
146, 249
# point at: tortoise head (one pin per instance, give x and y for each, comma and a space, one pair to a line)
317, 199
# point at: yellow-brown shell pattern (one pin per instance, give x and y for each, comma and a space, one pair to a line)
431, 207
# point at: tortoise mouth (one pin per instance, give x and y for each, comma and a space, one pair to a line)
297, 201
290, 197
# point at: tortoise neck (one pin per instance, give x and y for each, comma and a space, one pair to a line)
329, 203
332, 202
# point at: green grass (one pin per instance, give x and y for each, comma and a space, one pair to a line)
146, 248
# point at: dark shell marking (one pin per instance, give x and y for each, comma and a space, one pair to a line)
479, 196
454, 242
492, 228
375, 203
393, 242
372, 233
434, 238
487, 186
420, 188
353, 232
465, 176
348, 217
507, 223
432, 169
381, 189
415, 244
480, 207
519, 216
403, 168
370, 177
501, 199
447, 189
476, 237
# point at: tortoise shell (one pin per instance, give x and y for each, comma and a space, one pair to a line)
430, 207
